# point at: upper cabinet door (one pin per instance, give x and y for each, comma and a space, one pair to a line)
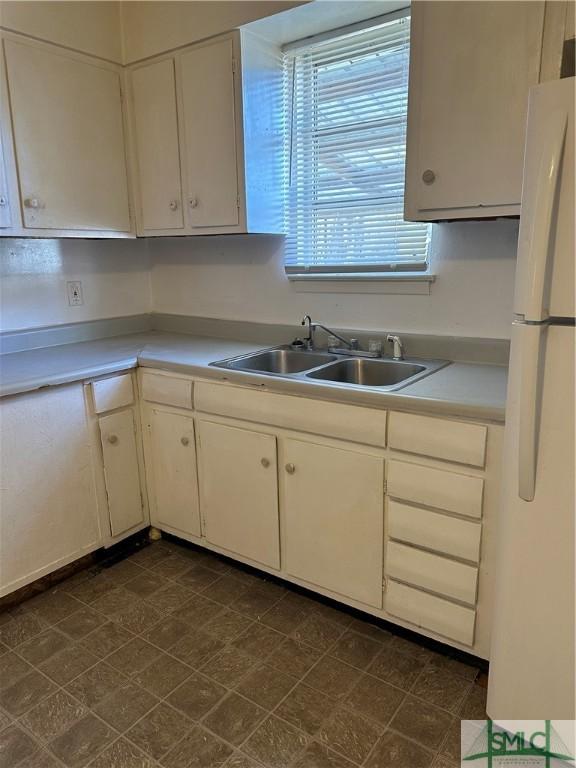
5, 218
156, 145
209, 134
471, 66
69, 139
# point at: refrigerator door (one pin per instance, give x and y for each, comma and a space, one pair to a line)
545, 275
532, 668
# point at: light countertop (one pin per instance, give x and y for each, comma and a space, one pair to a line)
471, 390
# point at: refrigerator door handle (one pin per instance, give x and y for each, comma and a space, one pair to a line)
534, 261
529, 408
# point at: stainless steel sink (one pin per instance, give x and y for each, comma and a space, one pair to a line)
336, 370
279, 361
368, 373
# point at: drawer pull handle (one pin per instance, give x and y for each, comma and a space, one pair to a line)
173, 205
112, 439
428, 177
193, 202
265, 463
290, 468
185, 440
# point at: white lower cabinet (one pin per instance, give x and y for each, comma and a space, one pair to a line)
174, 477
333, 517
121, 470
239, 491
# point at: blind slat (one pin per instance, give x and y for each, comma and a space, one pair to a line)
347, 103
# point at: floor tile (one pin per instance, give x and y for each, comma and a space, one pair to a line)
451, 746
338, 615
226, 590
306, 708
266, 686
12, 668
394, 751
371, 630
294, 658
80, 623
40, 759
332, 677
258, 641
170, 598
53, 716
229, 666
196, 696
357, 650
82, 741
275, 743
114, 601
15, 746
196, 648
411, 648
123, 571
396, 668
5, 720
159, 730
163, 675
441, 688
444, 762
95, 684
227, 625
318, 631
455, 666
254, 603
25, 692
172, 566
43, 646
375, 699
92, 589
68, 664
122, 754
198, 610
285, 616
238, 760
234, 718
350, 734
139, 618
127, 704
133, 657
53, 606
106, 639
199, 749
197, 577
166, 632
20, 629
421, 722
145, 583
318, 756
474, 706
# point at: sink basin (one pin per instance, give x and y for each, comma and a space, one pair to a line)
368, 373
280, 361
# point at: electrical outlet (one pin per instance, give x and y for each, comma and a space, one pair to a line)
74, 290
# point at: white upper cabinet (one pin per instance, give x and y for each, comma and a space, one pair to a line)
68, 135
5, 218
471, 65
221, 135
156, 146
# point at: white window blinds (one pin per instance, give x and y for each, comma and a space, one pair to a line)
346, 105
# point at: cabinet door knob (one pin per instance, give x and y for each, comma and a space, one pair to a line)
173, 205
185, 440
33, 202
290, 468
113, 439
265, 463
428, 177
3, 201
193, 202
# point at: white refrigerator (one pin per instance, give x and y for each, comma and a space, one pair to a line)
532, 668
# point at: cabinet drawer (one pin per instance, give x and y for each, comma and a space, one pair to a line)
433, 572
449, 535
431, 487
430, 612
167, 390
345, 422
113, 393
441, 439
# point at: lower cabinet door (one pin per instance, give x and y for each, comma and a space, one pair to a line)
175, 491
121, 472
333, 510
239, 491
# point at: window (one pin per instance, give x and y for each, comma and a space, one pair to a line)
346, 104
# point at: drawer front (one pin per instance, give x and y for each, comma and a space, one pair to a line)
167, 390
438, 438
448, 535
345, 422
431, 487
433, 572
429, 612
116, 392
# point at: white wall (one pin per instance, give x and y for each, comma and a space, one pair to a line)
115, 279
242, 278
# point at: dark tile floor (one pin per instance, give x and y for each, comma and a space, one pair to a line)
176, 658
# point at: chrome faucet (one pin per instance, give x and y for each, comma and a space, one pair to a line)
398, 347
351, 346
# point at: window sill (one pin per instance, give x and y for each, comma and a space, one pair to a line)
383, 282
